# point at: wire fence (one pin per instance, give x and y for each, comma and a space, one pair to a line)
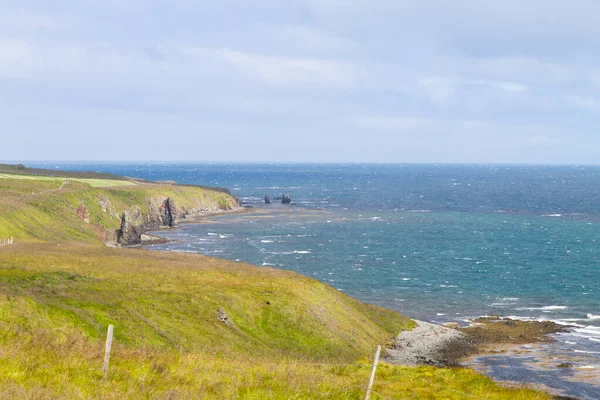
6, 242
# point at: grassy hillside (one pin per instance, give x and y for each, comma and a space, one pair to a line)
39, 172
34, 209
290, 336
186, 326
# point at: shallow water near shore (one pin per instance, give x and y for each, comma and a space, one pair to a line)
437, 243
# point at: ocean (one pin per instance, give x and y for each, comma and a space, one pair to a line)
442, 243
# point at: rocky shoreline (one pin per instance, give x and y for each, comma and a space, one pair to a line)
163, 213
449, 346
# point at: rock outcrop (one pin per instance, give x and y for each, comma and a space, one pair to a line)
83, 213
132, 228
267, 199
286, 199
162, 213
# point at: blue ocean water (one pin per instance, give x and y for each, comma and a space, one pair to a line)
435, 242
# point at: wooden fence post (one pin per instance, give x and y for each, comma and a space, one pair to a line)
109, 339
372, 379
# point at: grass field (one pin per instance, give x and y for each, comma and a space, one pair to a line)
285, 336
290, 338
91, 182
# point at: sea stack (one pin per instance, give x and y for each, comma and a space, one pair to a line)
286, 199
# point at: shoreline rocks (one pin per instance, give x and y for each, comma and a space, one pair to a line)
431, 344
163, 212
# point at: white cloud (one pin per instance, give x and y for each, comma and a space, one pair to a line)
585, 102
307, 38
390, 123
292, 71
540, 140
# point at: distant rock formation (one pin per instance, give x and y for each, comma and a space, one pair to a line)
162, 213
267, 199
132, 227
286, 199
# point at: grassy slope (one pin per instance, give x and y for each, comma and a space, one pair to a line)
56, 301
92, 182
290, 334
52, 216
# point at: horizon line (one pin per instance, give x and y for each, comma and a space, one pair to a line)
429, 163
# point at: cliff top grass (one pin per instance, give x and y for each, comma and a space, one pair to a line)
287, 336
35, 209
93, 182
21, 169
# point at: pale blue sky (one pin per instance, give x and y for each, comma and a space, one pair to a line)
497, 81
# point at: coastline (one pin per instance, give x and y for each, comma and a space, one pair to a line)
151, 236
431, 344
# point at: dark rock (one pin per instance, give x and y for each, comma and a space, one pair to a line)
169, 217
267, 200
222, 316
565, 365
132, 227
151, 239
286, 199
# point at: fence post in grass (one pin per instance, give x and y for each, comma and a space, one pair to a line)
372, 379
109, 339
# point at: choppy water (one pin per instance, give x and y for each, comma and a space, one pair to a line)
439, 243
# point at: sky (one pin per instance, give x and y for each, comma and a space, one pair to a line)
461, 81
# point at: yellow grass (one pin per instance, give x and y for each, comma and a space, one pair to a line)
100, 183
291, 338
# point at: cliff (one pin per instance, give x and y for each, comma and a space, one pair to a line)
163, 212
116, 215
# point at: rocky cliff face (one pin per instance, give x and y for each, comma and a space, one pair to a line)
162, 213
132, 228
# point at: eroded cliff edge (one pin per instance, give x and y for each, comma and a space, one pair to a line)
162, 212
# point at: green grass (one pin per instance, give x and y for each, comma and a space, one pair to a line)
91, 182
292, 338
52, 216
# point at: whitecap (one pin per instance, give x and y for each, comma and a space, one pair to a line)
545, 308
212, 234
265, 264
302, 252
266, 241
592, 316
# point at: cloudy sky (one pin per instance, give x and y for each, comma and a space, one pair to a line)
471, 81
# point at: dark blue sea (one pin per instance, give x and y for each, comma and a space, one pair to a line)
435, 242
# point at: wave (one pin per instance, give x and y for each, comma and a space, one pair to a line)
302, 252
545, 308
